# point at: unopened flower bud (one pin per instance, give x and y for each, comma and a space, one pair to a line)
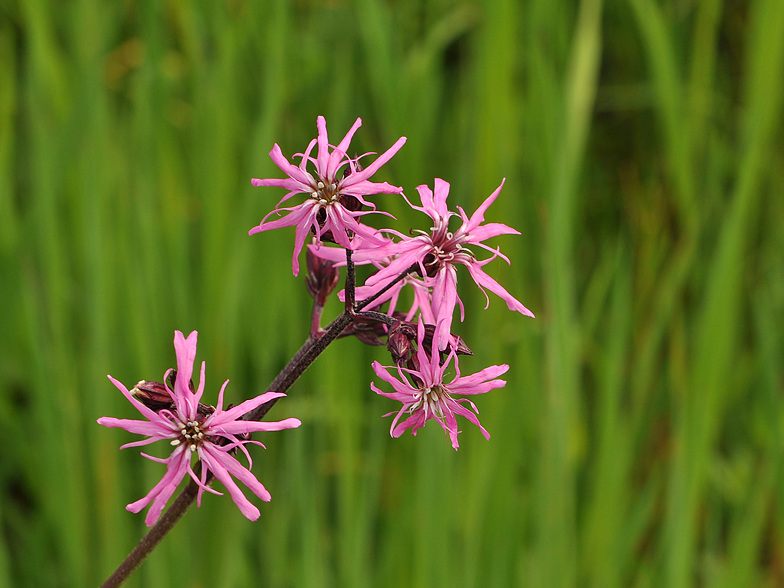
462, 348
350, 203
155, 396
399, 342
322, 277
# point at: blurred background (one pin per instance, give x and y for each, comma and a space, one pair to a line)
639, 439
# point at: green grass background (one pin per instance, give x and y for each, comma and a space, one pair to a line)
640, 439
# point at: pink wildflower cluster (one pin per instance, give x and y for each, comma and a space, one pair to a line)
336, 188
427, 262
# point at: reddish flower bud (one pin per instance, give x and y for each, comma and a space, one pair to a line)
322, 278
399, 342
403, 334
155, 396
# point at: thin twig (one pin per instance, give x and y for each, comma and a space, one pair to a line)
351, 282
154, 536
364, 303
377, 316
301, 361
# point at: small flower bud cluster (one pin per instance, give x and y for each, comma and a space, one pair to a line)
322, 278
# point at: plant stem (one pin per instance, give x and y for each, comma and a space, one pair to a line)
315, 319
414, 267
377, 316
306, 355
351, 283
154, 536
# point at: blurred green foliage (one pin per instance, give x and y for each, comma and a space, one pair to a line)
639, 439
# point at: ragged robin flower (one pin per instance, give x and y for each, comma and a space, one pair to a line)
211, 435
426, 396
438, 252
336, 192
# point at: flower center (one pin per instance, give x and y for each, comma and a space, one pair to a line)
431, 400
446, 248
325, 194
190, 433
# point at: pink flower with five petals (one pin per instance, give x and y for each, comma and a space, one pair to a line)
430, 397
332, 193
211, 437
438, 252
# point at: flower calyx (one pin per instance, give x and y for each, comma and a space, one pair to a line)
402, 341
322, 278
156, 396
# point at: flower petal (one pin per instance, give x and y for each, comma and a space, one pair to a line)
480, 382
186, 354
479, 215
485, 281
404, 397
217, 461
440, 194
242, 427
140, 427
146, 412
294, 172
162, 491
462, 411
339, 153
373, 167
414, 422
322, 159
401, 387
444, 301
488, 231
243, 408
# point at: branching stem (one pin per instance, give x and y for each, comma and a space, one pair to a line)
306, 355
375, 296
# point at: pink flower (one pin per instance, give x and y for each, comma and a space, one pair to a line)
430, 397
333, 194
438, 253
211, 437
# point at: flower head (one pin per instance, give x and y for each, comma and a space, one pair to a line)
335, 193
429, 397
212, 435
438, 252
